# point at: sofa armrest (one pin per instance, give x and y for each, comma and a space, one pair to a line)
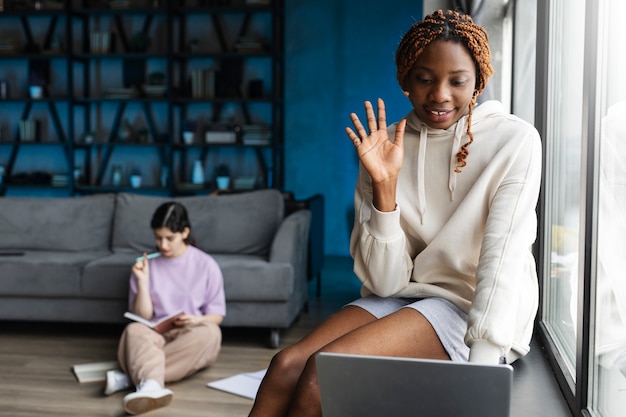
290, 245
291, 241
315, 204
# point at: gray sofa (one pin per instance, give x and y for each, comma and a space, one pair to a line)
69, 259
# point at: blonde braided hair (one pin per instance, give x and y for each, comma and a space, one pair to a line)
455, 27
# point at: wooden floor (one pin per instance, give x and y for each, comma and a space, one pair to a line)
36, 360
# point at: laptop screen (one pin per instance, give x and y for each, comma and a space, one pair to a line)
376, 386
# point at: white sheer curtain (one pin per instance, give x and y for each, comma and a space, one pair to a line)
472, 7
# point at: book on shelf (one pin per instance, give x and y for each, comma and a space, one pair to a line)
256, 135
163, 325
222, 133
203, 83
220, 136
255, 141
250, 44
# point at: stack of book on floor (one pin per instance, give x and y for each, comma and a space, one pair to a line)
93, 372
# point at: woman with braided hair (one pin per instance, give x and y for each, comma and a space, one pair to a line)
444, 222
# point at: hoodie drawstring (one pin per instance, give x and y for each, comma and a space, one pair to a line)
421, 162
459, 132
456, 146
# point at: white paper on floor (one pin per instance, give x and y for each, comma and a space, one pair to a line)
245, 384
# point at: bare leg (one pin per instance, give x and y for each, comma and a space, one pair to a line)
290, 387
278, 387
405, 333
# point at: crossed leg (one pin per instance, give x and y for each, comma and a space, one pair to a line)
290, 386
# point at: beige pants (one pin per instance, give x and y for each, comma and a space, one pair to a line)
145, 354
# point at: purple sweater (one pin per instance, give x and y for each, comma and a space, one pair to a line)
192, 282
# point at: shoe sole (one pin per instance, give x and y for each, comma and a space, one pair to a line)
141, 405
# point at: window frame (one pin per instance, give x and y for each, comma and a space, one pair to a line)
577, 391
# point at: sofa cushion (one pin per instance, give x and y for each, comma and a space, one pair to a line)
252, 278
73, 224
44, 273
108, 276
242, 223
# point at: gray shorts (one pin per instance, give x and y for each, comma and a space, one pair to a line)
449, 321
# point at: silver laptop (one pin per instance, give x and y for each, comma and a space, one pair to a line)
376, 386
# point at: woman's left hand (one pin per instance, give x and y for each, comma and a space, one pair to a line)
381, 157
188, 320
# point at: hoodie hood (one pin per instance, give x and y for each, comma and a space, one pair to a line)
459, 137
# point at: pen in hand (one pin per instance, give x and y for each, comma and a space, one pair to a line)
149, 256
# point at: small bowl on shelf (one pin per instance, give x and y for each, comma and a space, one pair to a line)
188, 138
36, 91
135, 181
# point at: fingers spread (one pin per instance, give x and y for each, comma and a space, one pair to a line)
399, 137
382, 115
374, 124
358, 126
353, 136
371, 117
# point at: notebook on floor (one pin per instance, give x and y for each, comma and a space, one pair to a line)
375, 386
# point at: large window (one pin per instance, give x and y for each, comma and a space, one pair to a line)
609, 365
562, 186
582, 117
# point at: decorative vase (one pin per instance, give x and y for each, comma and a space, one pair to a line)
197, 176
117, 176
164, 176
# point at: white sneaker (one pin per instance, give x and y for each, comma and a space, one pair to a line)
116, 381
149, 396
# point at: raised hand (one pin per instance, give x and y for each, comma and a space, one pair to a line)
381, 157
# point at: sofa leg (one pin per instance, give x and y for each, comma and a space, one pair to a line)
274, 338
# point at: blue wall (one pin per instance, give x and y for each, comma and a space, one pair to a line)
339, 54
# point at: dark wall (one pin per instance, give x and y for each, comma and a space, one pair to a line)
339, 54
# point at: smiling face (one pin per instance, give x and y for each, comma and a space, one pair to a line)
171, 244
441, 83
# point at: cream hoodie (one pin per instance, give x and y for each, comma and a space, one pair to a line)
464, 236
